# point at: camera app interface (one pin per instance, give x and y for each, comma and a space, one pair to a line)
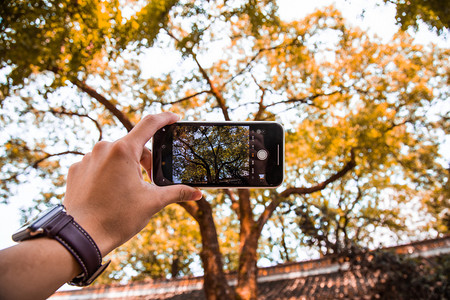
211, 155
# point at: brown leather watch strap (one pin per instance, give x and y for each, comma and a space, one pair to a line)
74, 238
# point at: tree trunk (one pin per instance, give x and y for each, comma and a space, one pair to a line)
215, 283
247, 288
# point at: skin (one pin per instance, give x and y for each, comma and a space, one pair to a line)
107, 195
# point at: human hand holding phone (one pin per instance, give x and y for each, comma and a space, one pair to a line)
108, 197
107, 194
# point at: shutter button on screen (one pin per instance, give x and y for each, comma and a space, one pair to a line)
261, 154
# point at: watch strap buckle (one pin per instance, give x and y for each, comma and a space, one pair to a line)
81, 279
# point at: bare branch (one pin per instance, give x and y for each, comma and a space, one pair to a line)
71, 113
108, 104
48, 155
36, 163
214, 90
276, 200
305, 100
309, 190
293, 101
255, 56
262, 107
185, 98
100, 98
234, 201
284, 246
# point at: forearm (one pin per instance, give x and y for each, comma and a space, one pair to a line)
35, 269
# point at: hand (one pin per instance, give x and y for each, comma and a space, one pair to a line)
106, 193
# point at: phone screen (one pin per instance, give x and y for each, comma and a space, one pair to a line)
227, 154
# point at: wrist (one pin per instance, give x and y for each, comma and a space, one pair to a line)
103, 239
95, 227
56, 224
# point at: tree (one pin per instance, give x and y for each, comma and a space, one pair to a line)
434, 13
360, 144
400, 276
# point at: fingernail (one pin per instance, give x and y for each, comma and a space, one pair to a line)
174, 114
197, 195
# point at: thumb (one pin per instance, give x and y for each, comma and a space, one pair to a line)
180, 193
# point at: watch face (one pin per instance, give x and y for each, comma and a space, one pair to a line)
45, 216
31, 229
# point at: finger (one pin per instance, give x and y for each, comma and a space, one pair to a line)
180, 193
147, 127
86, 158
100, 147
146, 160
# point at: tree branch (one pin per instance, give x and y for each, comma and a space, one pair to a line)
71, 113
305, 100
108, 104
48, 155
191, 207
261, 106
214, 90
255, 56
303, 191
234, 201
295, 101
185, 98
100, 98
35, 164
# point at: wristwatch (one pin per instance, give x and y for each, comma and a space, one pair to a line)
57, 224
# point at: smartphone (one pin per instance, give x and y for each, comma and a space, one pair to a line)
219, 154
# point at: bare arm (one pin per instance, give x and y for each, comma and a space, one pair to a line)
107, 195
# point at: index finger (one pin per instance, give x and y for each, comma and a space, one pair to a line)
146, 128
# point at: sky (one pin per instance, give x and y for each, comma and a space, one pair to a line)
378, 20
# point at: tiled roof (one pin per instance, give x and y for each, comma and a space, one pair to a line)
325, 278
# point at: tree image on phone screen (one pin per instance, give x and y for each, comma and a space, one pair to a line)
219, 154
211, 155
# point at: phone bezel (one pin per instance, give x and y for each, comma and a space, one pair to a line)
281, 156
